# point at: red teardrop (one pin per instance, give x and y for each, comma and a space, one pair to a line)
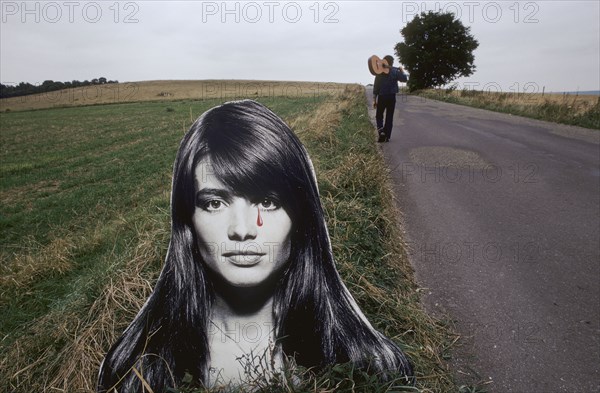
259, 220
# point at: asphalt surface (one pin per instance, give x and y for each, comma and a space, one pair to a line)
502, 220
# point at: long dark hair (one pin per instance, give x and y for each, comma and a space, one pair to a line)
316, 320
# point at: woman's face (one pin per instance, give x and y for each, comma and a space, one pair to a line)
245, 242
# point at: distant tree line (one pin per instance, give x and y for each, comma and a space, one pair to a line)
25, 88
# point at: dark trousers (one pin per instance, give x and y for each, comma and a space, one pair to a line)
385, 103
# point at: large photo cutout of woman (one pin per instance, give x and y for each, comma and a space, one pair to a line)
249, 257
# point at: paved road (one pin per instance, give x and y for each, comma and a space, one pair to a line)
502, 216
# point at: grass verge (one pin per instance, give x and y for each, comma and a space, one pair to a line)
578, 110
84, 228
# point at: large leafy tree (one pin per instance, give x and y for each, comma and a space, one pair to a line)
437, 48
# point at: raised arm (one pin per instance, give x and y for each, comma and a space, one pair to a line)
398, 74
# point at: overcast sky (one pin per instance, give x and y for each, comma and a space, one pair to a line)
525, 45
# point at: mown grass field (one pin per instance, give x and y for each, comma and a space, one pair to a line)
578, 110
84, 227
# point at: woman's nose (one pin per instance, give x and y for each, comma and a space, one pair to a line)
242, 221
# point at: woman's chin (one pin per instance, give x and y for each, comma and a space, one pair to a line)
245, 279
254, 276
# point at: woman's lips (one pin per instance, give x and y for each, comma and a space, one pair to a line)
243, 259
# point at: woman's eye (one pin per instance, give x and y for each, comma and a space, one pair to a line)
268, 204
214, 205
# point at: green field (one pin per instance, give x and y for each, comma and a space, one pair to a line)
84, 226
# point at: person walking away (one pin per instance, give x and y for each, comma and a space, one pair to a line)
385, 88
